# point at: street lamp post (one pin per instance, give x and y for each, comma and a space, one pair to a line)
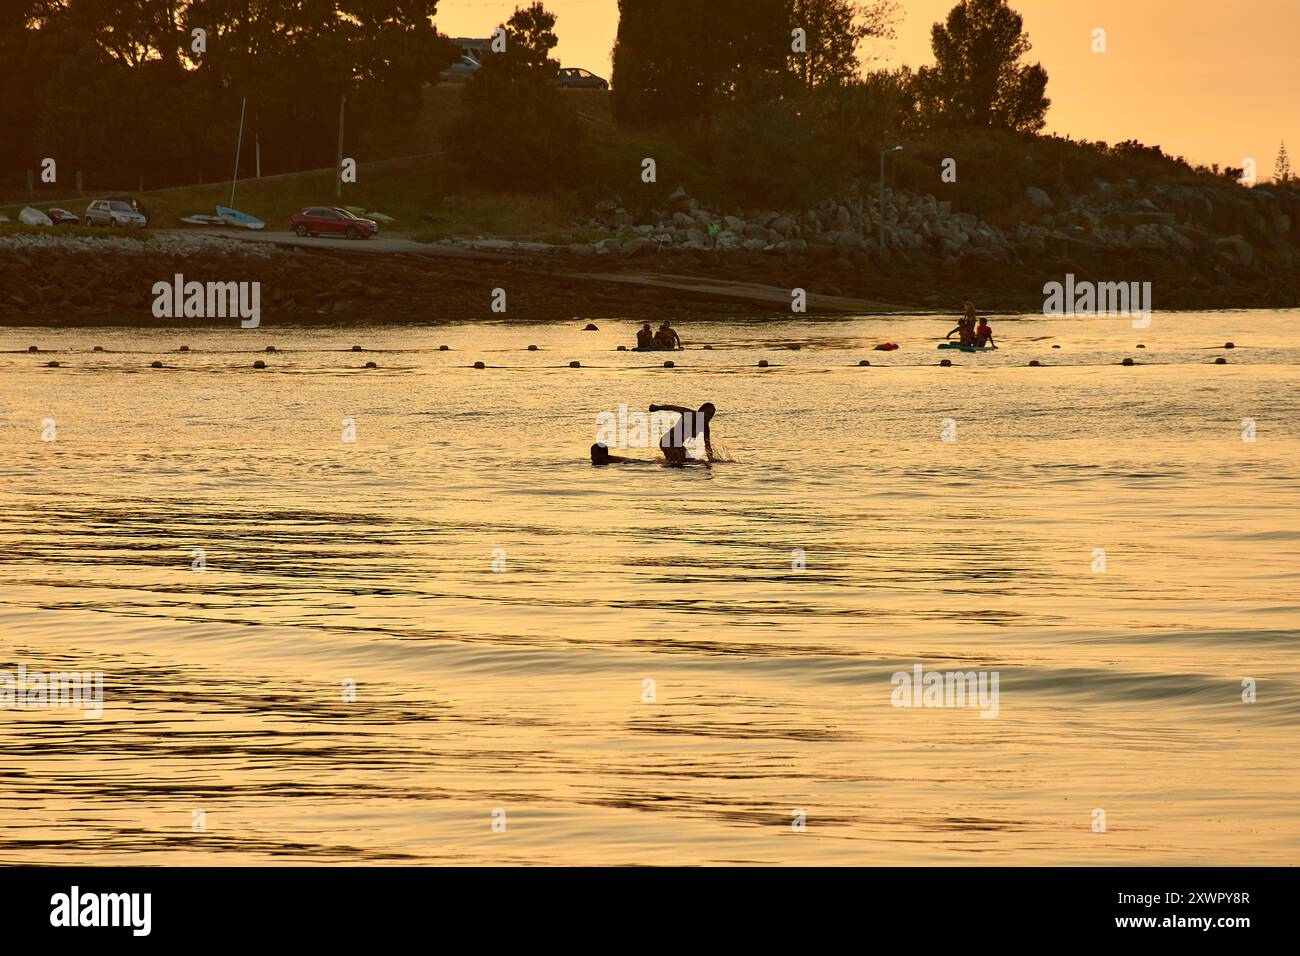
891, 149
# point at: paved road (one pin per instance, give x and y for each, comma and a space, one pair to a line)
502, 249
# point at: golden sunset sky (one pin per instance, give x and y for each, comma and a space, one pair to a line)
1213, 81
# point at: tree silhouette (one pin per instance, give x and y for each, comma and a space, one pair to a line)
835, 29
978, 79
1282, 170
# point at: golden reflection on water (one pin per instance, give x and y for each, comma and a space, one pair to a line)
651, 677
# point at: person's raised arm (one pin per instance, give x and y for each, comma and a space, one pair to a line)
672, 408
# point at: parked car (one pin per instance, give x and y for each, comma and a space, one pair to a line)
461, 70
113, 212
135, 204
575, 78
62, 217
332, 221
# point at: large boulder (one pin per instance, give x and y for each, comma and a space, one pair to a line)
1039, 198
1235, 250
783, 225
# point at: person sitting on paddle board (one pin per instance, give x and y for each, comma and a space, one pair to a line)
645, 339
984, 336
667, 337
692, 424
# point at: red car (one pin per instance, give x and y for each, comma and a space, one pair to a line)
332, 221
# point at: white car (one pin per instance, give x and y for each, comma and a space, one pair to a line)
111, 212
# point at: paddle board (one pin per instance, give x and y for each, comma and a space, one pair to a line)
967, 348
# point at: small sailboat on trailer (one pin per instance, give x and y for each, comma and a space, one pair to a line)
233, 217
203, 220
229, 215
34, 217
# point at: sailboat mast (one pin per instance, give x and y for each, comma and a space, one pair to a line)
242, 103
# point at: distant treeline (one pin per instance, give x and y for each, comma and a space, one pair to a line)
121, 91
755, 102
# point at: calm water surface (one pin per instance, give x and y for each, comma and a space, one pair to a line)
524, 689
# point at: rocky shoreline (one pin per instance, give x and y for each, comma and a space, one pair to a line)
1201, 247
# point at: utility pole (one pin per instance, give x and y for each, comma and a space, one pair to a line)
338, 163
892, 149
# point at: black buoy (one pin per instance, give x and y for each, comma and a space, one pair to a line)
621, 348
356, 348
708, 348
762, 363
946, 363
1220, 361
863, 363
1229, 345
479, 365
532, 348
1034, 363
156, 365
795, 347
184, 348
371, 365
590, 327
1056, 346
575, 365
1127, 361
98, 348
443, 348
270, 348
32, 348
1141, 346
259, 364
669, 365
51, 364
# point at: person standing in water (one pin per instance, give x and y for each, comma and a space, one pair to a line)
692, 424
966, 324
